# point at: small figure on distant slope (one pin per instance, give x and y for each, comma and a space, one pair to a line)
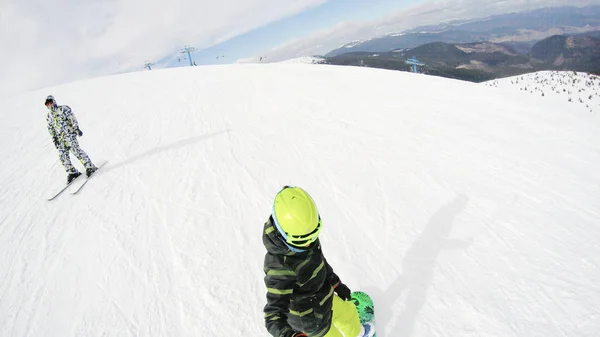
64, 130
305, 297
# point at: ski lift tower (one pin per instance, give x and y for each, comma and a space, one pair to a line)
187, 50
148, 65
414, 62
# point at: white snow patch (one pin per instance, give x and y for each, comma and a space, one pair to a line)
580, 90
464, 210
305, 60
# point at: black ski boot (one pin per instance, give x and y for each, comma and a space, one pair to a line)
72, 176
90, 171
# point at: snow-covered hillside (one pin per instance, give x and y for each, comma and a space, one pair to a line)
305, 60
464, 210
580, 89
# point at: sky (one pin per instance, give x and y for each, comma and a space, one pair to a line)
48, 43
476, 213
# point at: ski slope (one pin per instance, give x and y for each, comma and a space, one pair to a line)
305, 60
582, 90
464, 210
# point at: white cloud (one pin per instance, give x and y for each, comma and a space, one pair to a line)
49, 42
432, 12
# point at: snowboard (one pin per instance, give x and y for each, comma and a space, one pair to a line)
364, 306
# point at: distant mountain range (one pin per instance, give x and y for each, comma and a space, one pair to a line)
572, 52
482, 61
480, 50
521, 30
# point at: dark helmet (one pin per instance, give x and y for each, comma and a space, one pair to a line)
50, 100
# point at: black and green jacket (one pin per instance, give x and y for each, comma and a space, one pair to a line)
299, 287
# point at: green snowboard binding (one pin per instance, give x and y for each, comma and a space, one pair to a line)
366, 310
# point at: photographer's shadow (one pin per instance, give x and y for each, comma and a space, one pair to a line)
418, 266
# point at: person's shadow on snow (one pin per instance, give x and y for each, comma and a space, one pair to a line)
418, 266
176, 145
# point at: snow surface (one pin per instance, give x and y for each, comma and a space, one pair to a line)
305, 60
464, 210
582, 90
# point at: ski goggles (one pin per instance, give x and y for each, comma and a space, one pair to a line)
299, 240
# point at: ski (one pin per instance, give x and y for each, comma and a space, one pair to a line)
88, 179
64, 188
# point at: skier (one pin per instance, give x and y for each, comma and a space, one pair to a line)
305, 298
64, 129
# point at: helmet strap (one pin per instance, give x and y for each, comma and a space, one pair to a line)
292, 248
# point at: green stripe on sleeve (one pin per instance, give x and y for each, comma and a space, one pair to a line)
326, 297
280, 291
304, 313
273, 272
314, 274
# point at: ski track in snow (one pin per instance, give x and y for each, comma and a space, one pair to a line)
469, 212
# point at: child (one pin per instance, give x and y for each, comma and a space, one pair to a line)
305, 298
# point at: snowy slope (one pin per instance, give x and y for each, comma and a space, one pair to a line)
582, 90
464, 210
305, 60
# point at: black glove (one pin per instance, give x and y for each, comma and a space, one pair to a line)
79, 132
342, 291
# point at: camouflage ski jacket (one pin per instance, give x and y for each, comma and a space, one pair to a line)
61, 121
299, 287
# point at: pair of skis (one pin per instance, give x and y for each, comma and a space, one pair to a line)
77, 179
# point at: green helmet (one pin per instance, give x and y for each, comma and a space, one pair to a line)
296, 216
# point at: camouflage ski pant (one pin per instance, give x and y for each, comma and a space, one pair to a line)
68, 143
